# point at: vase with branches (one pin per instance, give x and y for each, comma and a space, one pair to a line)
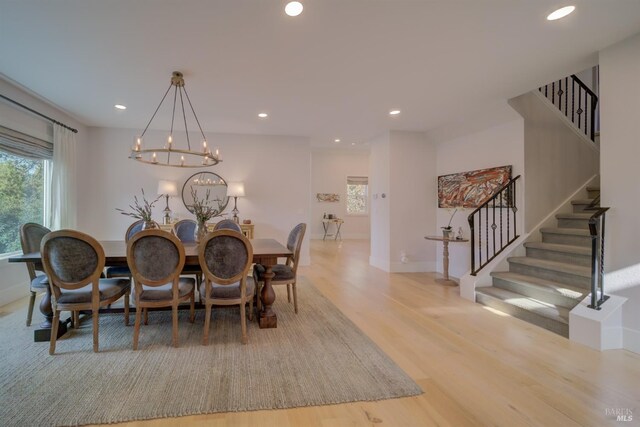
447, 232
143, 211
204, 209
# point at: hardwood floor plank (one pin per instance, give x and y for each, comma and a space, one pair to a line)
476, 367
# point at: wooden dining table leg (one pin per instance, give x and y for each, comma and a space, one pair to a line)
43, 333
268, 318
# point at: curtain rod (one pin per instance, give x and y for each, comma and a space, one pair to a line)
39, 114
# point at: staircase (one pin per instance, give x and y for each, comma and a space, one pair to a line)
554, 276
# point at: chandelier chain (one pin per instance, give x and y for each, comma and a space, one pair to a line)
157, 108
194, 112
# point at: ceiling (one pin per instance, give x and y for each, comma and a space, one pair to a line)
335, 71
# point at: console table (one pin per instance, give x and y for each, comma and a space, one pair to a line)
326, 223
247, 229
445, 254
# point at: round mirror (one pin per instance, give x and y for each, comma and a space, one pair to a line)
205, 186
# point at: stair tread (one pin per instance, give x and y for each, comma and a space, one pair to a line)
557, 247
550, 311
593, 188
546, 285
577, 215
552, 265
582, 201
570, 231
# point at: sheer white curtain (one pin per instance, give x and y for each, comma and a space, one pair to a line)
62, 191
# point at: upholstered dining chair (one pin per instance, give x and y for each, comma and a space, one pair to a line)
74, 262
31, 235
123, 270
227, 224
284, 274
225, 258
185, 231
156, 259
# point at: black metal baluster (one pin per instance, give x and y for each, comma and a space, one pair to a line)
573, 100
546, 91
593, 118
566, 98
514, 209
601, 272
493, 226
471, 220
553, 93
560, 95
480, 237
579, 107
486, 228
501, 208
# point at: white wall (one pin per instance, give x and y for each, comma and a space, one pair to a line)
329, 171
498, 145
379, 213
275, 170
620, 178
557, 160
412, 193
15, 279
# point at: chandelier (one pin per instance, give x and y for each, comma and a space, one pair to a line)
169, 154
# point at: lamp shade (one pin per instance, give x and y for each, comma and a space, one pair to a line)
235, 189
167, 188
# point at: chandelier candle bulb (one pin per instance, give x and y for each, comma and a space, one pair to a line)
204, 146
169, 141
181, 160
154, 158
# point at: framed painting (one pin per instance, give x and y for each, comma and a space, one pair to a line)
328, 197
471, 189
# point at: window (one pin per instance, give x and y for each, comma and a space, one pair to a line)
23, 171
357, 195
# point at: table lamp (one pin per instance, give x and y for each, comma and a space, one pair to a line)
166, 189
235, 190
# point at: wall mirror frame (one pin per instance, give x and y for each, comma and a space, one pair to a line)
202, 182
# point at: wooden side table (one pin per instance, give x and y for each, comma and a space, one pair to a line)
326, 222
445, 254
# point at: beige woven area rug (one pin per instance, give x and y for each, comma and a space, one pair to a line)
317, 357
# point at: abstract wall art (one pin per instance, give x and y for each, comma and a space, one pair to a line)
471, 189
328, 197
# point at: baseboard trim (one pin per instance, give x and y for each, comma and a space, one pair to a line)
13, 293
352, 236
383, 265
631, 340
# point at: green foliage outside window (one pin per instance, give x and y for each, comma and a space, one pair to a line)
357, 198
21, 197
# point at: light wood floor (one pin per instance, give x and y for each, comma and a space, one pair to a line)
476, 367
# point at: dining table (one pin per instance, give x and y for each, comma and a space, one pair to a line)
265, 252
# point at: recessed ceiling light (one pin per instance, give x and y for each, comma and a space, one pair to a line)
560, 13
293, 8
263, 115
336, 140
353, 143
120, 107
394, 112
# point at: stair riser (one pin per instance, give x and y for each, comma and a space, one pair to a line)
522, 314
592, 194
580, 208
557, 276
584, 260
535, 293
582, 224
567, 239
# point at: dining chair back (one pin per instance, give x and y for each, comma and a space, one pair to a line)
156, 259
285, 274
31, 235
74, 262
123, 270
185, 230
228, 224
225, 258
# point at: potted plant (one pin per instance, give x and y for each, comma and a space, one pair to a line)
204, 211
447, 232
142, 211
